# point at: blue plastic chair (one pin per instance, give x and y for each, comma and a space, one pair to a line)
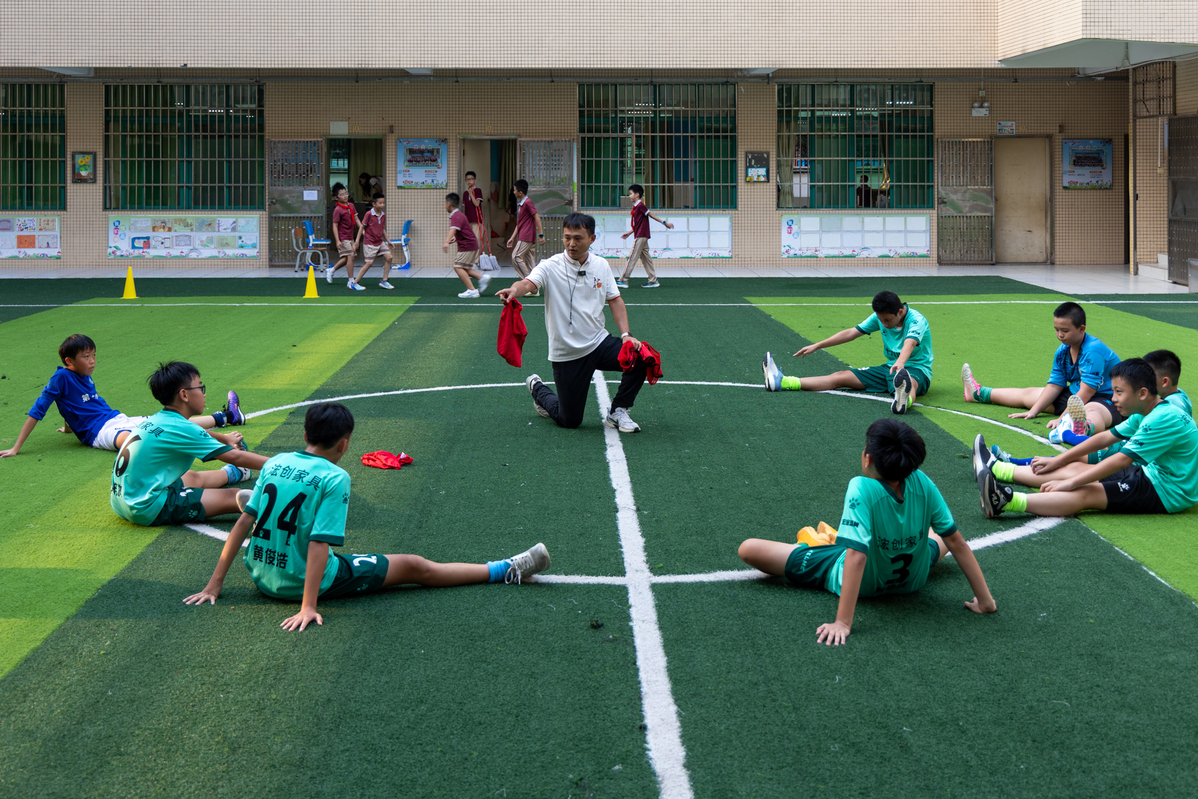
405, 241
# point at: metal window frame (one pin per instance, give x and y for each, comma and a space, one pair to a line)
33, 157
678, 140
844, 130
185, 147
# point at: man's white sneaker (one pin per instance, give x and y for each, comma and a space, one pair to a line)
620, 420
469, 294
532, 382
526, 564
483, 282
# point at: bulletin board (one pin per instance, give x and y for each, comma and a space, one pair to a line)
693, 236
23, 236
177, 236
423, 163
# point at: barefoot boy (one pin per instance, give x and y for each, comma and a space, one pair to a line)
151, 480
1155, 471
906, 343
884, 545
298, 510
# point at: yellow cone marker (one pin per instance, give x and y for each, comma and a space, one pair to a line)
130, 289
310, 291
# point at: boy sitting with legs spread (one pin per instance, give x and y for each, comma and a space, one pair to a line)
1155, 471
298, 509
884, 545
151, 482
87, 415
906, 342
1078, 389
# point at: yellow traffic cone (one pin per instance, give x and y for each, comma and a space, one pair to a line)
130, 289
310, 290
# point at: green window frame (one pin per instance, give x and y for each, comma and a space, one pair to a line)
831, 135
678, 140
33, 140
184, 147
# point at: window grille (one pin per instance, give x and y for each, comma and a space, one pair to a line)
33, 159
1153, 90
184, 147
844, 145
676, 140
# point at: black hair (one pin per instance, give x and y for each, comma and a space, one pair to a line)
170, 377
378, 195
1071, 311
1136, 373
887, 302
453, 199
326, 423
338, 188
521, 186
895, 448
471, 172
364, 175
638, 188
577, 221
1166, 363
75, 344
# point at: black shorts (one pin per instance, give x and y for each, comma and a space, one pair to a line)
1130, 491
1058, 406
357, 574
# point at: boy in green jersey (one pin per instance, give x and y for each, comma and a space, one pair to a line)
906, 343
1155, 471
298, 510
884, 545
152, 483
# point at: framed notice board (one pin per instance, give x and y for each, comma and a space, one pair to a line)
757, 167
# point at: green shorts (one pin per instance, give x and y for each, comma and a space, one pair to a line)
183, 505
878, 380
810, 566
357, 574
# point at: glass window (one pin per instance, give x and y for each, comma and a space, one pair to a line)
845, 145
33, 159
184, 147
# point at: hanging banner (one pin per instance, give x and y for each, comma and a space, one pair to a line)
1087, 164
423, 164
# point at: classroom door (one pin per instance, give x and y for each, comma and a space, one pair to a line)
297, 193
964, 201
548, 166
1021, 206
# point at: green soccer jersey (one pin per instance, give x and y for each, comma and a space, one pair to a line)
299, 497
1181, 400
914, 326
1165, 445
892, 532
157, 453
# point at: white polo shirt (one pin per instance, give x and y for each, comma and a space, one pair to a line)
574, 303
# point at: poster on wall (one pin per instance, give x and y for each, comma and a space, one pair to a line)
30, 237
423, 163
856, 236
693, 236
1087, 164
175, 236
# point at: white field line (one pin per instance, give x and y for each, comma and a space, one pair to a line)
212, 532
663, 736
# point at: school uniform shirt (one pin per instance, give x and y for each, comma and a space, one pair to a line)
156, 454
526, 224
915, 327
1094, 364
299, 497
1164, 442
892, 532
473, 213
574, 303
640, 220
374, 233
84, 411
467, 241
345, 220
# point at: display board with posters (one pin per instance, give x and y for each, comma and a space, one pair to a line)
856, 235
179, 236
25, 236
693, 236
423, 163
1087, 164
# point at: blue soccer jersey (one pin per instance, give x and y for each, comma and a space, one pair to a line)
1094, 364
84, 411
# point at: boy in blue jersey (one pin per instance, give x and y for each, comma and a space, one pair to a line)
884, 545
298, 510
906, 342
1155, 471
152, 482
88, 416
1078, 389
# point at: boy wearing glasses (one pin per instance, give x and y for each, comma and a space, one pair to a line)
152, 483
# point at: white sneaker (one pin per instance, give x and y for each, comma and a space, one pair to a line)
532, 382
328, 274
526, 564
620, 420
469, 294
245, 474
773, 375
384, 284
356, 287
483, 282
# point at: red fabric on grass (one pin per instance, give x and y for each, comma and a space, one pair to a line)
512, 332
386, 460
650, 356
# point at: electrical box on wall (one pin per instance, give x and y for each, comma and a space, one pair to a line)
981, 112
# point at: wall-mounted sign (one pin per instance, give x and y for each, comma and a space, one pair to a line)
757, 167
693, 236
1006, 128
162, 236
30, 237
1087, 164
871, 235
423, 164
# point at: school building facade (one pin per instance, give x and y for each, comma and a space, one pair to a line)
964, 132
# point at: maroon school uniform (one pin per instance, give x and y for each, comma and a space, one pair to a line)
640, 220
473, 213
526, 224
345, 219
375, 228
467, 242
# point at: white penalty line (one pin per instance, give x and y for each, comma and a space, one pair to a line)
498, 306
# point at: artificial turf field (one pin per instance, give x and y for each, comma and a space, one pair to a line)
1079, 686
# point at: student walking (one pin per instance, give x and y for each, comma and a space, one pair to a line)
640, 242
